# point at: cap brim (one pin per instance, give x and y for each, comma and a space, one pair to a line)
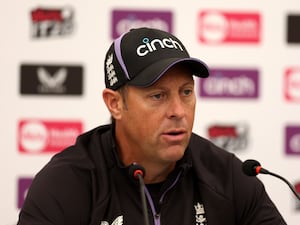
155, 71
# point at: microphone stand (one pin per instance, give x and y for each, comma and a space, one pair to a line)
143, 197
138, 172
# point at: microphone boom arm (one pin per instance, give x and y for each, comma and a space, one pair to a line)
252, 167
285, 180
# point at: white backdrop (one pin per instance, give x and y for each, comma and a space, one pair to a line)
265, 116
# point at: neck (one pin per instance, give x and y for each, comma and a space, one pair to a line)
155, 174
155, 171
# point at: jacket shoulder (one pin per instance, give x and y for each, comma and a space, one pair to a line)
215, 167
205, 152
72, 181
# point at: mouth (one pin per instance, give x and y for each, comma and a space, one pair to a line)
175, 135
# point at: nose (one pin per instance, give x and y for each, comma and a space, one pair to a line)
176, 108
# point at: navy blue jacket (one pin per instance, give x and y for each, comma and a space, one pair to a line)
86, 184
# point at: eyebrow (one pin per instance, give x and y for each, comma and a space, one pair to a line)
165, 86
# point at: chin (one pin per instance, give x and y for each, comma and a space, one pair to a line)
174, 155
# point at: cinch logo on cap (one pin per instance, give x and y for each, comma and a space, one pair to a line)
152, 46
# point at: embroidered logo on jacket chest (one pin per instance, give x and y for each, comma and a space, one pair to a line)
117, 221
200, 214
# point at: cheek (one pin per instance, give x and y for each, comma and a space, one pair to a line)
144, 114
140, 119
190, 115
192, 111
147, 126
147, 122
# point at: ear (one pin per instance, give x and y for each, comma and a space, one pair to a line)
113, 101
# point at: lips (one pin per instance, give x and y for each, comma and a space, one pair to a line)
175, 135
175, 132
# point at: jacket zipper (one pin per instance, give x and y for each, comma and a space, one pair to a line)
156, 215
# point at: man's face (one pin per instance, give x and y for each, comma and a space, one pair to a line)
156, 123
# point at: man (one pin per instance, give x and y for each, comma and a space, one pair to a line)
188, 180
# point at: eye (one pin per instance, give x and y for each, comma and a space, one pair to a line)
187, 92
157, 96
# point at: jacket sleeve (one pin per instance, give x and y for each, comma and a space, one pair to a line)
252, 203
57, 196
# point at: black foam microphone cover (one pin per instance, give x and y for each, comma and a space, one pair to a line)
249, 167
135, 169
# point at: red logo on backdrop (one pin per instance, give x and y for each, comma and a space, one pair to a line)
229, 137
217, 27
50, 22
292, 84
40, 136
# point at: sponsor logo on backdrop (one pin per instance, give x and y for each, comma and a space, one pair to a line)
293, 31
297, 188
217, 27
124, 20
43, 79
23, 186
292, 84
292, 140
45, 136
52, 22
232, 137
230, 83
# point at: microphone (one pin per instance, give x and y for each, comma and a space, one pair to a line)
252, 167
138, 172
